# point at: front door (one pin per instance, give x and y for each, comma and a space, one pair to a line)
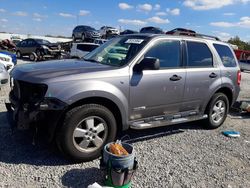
158, 92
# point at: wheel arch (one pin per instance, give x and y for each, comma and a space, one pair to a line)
113, 107
225, 90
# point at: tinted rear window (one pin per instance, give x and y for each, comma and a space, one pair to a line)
226, 55
199, 55
86, 47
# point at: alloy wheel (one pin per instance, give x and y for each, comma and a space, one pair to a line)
90, 134
218, 111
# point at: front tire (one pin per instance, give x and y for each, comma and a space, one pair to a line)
217, 111
33, 57
83, 38
85, 131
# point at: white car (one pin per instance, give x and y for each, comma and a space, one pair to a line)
6, 61
245, 65
4, 75
107, 32
79, 50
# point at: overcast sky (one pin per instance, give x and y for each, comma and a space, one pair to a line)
223, 18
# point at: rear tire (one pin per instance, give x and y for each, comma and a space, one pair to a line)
18, 54
85, 131
217, 111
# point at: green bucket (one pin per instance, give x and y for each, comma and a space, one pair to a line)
119, 169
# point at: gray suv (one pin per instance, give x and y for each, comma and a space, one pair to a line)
85, 33
133, 81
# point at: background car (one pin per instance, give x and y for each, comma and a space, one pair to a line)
153, 30
243, 57
128, 31
6, 61
79, 50
181, 31
12, 55
100, 41
244, 65
107, 32
85, 33
4, 76
38, 49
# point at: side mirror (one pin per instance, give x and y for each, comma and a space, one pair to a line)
148, 63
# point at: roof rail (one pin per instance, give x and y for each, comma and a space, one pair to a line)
207, 36
192, 34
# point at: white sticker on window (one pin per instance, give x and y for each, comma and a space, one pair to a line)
134, 41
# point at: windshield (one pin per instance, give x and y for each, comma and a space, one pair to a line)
118, 51
89, 28
41, 41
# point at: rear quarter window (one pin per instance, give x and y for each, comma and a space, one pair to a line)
226, 55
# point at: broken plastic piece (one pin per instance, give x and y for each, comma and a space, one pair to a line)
231, 133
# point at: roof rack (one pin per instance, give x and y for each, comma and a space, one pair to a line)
191, 33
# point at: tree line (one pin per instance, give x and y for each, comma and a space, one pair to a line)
241, 44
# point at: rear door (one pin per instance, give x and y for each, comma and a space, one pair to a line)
159, 92
22, 46
202, 74
31, 46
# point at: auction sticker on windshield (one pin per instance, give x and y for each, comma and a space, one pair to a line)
134, 41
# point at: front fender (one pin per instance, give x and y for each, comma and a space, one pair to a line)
73, 92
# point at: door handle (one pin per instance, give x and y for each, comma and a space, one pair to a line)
213, 75
175, 78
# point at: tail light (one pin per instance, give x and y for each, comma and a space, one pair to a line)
238, 77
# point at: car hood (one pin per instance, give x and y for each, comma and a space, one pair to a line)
44, 71
51, 45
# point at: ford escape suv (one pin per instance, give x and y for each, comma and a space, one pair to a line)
135, 81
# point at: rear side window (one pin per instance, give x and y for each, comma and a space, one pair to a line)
23, 43
199, 55
86, 47
168, 52
226, 55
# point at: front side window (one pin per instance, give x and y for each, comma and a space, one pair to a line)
117, 51
168, 52
31, 43
199, 55
226, 55
41, 41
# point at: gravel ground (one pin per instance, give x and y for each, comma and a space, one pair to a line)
183, 155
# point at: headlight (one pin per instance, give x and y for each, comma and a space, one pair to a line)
5, 59
1, 69
45, 47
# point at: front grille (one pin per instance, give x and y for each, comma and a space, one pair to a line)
54, 48
27, 92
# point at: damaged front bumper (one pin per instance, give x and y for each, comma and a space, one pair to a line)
44, 113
